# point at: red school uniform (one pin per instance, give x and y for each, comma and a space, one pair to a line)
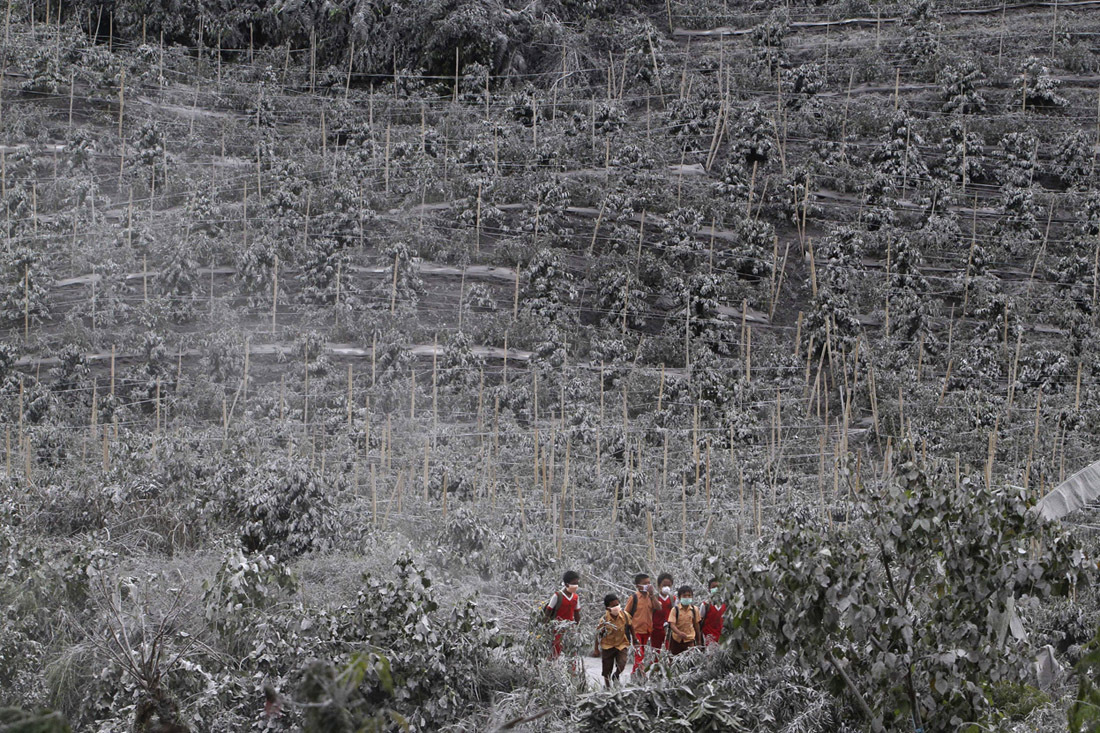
713, 616
564, 609
660, 618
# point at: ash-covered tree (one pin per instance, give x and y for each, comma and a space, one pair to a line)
899, 156
547, 301
964, 156
424, 665
914, 611
1038, 87
831, 320
285, 509
921, 28
621, 300
907, 291
24, 287
753, 139
1018, 229
178, 281
960, 87
401, 286
1073, 159
1019, 153
460, 368
769, 52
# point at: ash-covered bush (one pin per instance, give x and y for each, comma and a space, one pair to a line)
430, 667
286, 509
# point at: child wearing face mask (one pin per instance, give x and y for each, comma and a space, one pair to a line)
614, 637
665, 600
563, 608
641, 608
712, 615
683, 623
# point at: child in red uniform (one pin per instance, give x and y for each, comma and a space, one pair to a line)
641, 609
665, 601
563, 608
712, 615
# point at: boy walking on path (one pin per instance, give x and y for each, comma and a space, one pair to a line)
683, 623
641, 609
614, 637
562, 609
712, 616
665, 601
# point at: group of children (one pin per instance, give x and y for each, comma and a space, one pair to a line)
654, 618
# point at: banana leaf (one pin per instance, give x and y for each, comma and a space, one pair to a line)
1077, 491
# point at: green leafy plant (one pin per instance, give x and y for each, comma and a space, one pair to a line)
912, 610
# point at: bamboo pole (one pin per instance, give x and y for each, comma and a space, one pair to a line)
427, 449
274, 292
683, 516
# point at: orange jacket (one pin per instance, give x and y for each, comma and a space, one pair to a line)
641, 608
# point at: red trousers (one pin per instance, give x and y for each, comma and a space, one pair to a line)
639, 654
555, 649
657, 638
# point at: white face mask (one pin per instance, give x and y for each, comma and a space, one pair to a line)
645, 588
615, 610
571, 589
665, 590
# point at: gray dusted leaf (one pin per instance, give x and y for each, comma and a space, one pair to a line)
1077, 491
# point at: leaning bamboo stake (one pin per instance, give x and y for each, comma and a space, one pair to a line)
373, 497
435, 384
386, 171
990, 454
274, 292
661, 388
427, 449
444, 494
708, 474
649, 537
349, 397
156, 428
683, 516
614, 503
946, 379
389, 445
1077, 390
752, 188
366, 425
874, 398
393, 286
515, 297
1013, 374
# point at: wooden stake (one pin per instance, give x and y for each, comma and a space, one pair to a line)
683, 516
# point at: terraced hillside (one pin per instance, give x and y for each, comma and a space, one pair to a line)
307, 304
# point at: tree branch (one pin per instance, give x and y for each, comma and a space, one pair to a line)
876, 726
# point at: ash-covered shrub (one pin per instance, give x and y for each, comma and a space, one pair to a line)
285, 509
429, 666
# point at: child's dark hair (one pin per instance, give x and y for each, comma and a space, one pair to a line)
640, 577
610, 600
713, 581
685, 589
663, 577
570, 577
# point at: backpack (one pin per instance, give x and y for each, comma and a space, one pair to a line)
676, 610
550, 607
